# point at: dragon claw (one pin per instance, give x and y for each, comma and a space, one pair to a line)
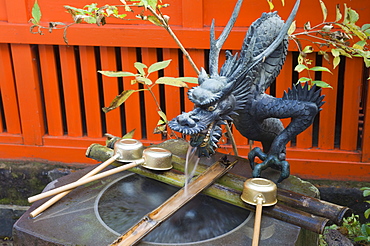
269, 160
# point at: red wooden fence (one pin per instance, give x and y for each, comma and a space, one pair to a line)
51, 95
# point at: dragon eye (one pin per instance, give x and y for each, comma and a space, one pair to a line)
211, 108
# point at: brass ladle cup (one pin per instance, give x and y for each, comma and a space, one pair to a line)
260, 192
125, 150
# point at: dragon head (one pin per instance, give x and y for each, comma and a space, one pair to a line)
213, 107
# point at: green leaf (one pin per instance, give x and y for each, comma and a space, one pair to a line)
292, 28
324, 10
367, 213
36, 13
319, 69
116, 74
129, 135
367, 62
321, 84
367, 32
359, 45
367, 192
336, 61
335, 52
140, 67
159, 66
192, 80
271, 5
151, 3
304, 79
144, 80
153, 19
352, 16
300, 67
308, 49
365, 27
118, 100
171, 81
338, 14
162, 115
357, 31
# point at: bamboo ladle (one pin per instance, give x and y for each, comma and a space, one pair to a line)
260, 192
126, 150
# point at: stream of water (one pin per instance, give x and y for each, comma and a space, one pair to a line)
191, 164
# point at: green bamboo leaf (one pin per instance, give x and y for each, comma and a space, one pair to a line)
151, 3
321, 84
324, 10
159, 66
117, 74
300, 67
319, 69
36, 13
118, 100
357, 31
367, 62
338, 13
171, 81
192, 80
336, 61
140, 67
346, 19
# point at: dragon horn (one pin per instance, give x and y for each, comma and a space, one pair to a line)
202, 76
281, 35
216, 45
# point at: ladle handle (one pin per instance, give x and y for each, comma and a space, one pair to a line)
56, 198
84, 181
257, 222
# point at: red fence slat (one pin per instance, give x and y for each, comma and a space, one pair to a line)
51, 90
28, 93
71, 90
90, 91
132, 105
8, 91
149, 56
110, 88
327, 115
351, 103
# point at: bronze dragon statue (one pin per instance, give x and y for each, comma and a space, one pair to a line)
237, 94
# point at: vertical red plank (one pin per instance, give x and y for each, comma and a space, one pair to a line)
285, 81
29, 97
351, 103
198, 58
51, 90
8, 91
132, 105
327, 115
172, 94
90, 91
71, 91
149, 56
110, 85
304, 139
366, 131
17, 11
